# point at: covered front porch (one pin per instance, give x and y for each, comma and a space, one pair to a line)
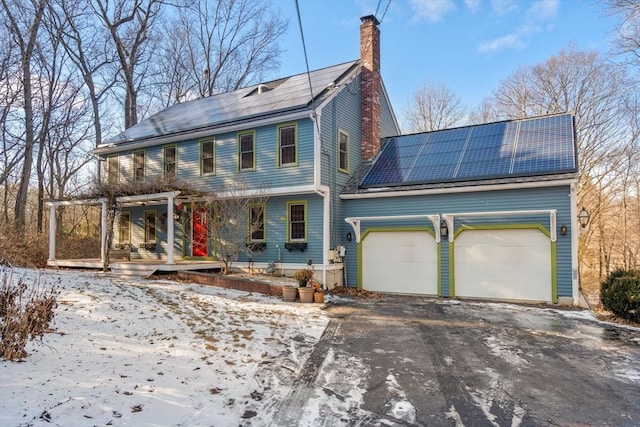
166, 262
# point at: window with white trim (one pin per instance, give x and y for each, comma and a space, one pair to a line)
113, 169
170, 159
207, 156
124, 228
297, 222
256, 223
343, 152
150, 227
287, 145
138, 165
247, 151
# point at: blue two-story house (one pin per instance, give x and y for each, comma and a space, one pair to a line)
483, 211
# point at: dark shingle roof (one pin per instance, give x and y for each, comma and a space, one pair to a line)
281, 96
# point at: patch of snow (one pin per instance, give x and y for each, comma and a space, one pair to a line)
455, 416
507, 351
399, 407
148, 353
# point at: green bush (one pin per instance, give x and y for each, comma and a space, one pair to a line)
620, 294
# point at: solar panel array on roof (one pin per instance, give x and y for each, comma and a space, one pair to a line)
290, 94
542, 145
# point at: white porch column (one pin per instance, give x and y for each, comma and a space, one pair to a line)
170, 230
103, 231
52, 232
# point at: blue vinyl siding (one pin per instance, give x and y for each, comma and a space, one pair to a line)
387, 124
505, 200
266, 174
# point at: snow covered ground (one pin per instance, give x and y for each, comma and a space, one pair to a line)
139, 352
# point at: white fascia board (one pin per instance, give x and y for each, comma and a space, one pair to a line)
466, 189
75, 202
145, 197
274, 191
169, 139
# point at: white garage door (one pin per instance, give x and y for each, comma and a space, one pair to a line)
503, 264
400, 262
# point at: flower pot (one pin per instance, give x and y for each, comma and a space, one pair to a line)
318, 297
306, 294
289, 293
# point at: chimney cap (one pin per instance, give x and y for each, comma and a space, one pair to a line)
369, 18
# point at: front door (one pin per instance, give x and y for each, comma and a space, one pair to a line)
199, 233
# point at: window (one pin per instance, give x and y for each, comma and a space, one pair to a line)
343, 152
138, 166
287, 145
247, 150
124, 229
297, 221
207, 153
113, 169
150, 227
256, 223
170, 156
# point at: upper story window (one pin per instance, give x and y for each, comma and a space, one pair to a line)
343, 152
124, 229
207, 156
297, 219
138, 165
287, 144
247, 150
170, 161
150, 226
113, 169
256, 222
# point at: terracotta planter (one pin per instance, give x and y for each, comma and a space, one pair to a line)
289, 293
318, 297
306, 294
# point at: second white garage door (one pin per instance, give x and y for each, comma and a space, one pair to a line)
503, 264
400, 262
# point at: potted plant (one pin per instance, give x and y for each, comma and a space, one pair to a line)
318, 292
303, 276
289, 293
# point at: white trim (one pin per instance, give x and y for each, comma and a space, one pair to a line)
75, 202
273, 191
376, 193
575, 230
449, 218
52, 233
354, 222
118, 146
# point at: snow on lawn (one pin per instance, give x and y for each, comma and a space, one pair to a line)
158, 353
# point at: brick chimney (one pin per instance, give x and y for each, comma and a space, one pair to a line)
370, 86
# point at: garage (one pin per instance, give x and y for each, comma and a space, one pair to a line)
511, 264
400, 262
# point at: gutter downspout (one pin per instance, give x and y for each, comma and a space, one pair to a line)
103, 237
322, 190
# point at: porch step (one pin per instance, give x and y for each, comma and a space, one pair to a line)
132, 269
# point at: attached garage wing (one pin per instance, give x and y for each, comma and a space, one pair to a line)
511, 264
400, 262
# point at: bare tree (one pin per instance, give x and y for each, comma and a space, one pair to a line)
434, 107
217, 47
236, 222
596, 92
627, 33
131, 26
24, 19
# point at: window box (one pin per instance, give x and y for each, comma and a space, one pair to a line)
150, 246
257, 246
296, 246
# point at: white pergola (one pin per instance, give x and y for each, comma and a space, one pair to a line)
159, 198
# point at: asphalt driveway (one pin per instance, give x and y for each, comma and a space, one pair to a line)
414, 361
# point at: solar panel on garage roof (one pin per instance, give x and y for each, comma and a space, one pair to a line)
542, 145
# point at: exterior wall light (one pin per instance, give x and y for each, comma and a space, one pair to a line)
583, 218
349, 236
563, 229
444, 230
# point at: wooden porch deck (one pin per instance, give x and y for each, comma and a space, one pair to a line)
136, 266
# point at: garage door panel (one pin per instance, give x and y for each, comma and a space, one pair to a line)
400, 262
503, 264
